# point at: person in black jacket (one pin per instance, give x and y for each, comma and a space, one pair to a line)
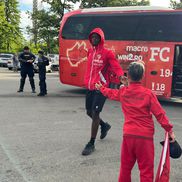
26, 59
42, 63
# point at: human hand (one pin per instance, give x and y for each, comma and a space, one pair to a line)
172, 136
30, 61
124, 80
98, 85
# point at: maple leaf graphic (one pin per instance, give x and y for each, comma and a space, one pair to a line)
77, 54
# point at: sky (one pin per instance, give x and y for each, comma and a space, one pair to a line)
26, 5
163, 3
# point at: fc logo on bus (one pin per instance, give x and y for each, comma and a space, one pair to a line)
161, 52
77, 54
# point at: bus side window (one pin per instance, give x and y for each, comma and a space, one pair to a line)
76, 28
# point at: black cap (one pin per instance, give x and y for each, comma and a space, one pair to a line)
41, 52
26, 48
175, 149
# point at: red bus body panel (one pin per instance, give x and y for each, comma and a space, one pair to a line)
157, 56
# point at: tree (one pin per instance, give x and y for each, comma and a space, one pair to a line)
10, 35
128, 3
176, 5
34, 30
48, 23
47, 30
3, 25
12, 23
94, 3
58, 7
105, 3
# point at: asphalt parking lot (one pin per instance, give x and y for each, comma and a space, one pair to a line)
41, 138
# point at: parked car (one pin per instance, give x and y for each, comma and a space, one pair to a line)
10, 65
36, 68
55, 61
55, 66
4, 58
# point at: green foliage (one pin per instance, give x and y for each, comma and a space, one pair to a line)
106, 3
10, 34
58, 7
176, 5
48, 24
94, 3
128, 3
47, 30
3, 25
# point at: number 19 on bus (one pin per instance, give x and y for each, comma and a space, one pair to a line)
165, 73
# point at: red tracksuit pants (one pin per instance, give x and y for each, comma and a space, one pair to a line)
136, 148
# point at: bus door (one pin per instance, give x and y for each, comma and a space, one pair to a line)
177, 72
159, 68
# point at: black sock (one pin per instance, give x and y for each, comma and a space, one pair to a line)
92, 141
102, 123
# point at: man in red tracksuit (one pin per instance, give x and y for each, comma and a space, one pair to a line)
100, 61
138, 105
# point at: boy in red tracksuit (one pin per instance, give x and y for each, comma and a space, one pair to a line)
138, 105
100, 62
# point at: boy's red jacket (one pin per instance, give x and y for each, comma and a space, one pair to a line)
138, 104
100, 61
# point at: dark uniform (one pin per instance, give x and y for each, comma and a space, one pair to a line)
26, 69
42, 63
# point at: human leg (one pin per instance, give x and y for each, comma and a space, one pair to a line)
31, 79
145, 159
94, 104
97, 106
42, 83
128, 159
22, 80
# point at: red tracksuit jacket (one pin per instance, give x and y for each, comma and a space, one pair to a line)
100, 61
138, 104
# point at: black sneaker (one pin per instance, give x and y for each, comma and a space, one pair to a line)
33, 91
104, 130
20, 91
89, 148
41, 94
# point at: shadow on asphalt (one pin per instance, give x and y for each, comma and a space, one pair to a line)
73, 92
76, 91
66, 93
171, 103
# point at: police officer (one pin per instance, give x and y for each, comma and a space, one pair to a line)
42, 63
26, 59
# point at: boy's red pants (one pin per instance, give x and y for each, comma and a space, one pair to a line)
136, 148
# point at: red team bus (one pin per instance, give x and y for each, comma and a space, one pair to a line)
149, 34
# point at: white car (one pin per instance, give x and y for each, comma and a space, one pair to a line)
53, 57
55, 61
10, 65
36, 68
55, 65
4, 58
